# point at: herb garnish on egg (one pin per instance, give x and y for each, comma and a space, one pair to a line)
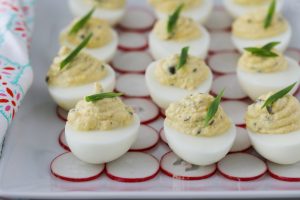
265, 51
213, 108
81, 22
272, 99
173, 18
74, 53
183, 57
100, 96
269, 17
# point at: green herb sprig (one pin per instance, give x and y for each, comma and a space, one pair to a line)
173, 18
81, 22
213, 108
265, 51
183, 57
272, 99
269, 16
100, 96
74, 53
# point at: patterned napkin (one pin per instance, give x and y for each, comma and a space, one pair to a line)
16, 21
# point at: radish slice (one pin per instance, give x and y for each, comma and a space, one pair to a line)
61, 113
235, 110
219, 20
289, 173
62, 141
132, 62
231, 85
69, 168
242, 167
132, 85
242, 141
147, 139
175, 167
224, 62
163, 136
145, 108
132, 42
137, 20
293, 53
221, 41
133, 167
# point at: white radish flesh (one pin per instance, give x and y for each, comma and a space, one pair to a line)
147, 139
132, 85
224, 63
231, 85
62, 140
136, 62
242, 141
290, 173
132, 42
61, 113
69, 168
219, 20
133, 167
293, 53
146, 109
137, 20
163, 136
220, 42
175, 167
236, 111
242, 167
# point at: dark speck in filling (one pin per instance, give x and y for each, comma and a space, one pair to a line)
172, 70
199, 131
195, 70
102, 67
269, 109
212, 122
82, 36
47, 79
249, 21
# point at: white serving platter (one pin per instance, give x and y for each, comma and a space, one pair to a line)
31, 143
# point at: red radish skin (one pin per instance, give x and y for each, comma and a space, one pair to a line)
154, 136
132, 62
282, 177
240, 178
132, 42
132, 85
62, 141
140, 105
73, 179
224, 62
145, 17
137, 179
233, 90
190, 178
61, 113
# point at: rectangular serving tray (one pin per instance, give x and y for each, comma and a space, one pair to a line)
31, 143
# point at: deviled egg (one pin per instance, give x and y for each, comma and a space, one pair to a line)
171, 34
168, 80
109, 10
198, 10
69, 83
261, 27
262, 70
103, 45
274, 129
237, 8
101, 128
194, 138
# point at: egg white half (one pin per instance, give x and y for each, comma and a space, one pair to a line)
163, 48
236, 10
278, 148
199, 14
80, 8
284, 39
105, 53
200, 150
257, 84
163, 95
67, 97
98, 146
